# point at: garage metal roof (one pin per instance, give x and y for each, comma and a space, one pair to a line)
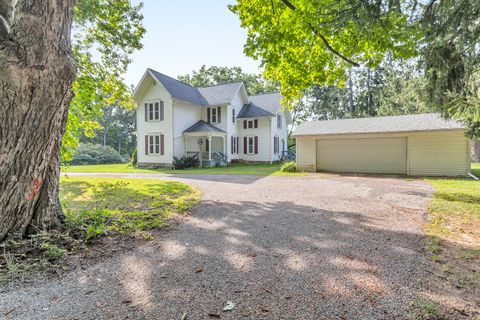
417, 122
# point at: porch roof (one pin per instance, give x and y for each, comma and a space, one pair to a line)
251, 110
202, 126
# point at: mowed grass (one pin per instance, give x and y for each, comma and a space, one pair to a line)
97, 208
476, 169
106, 206
453, 228
247, 169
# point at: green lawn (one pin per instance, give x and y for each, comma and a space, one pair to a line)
453, 229
97, 208
248, 169
104, 206
476, 169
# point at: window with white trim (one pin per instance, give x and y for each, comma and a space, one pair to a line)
251, 145
234, 144
154, 144
233, 115
279, 121
214, 115
275, 145
154, 111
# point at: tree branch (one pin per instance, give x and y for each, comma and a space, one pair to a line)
324, 40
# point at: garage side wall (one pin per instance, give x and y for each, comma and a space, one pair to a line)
306, 154
439, 153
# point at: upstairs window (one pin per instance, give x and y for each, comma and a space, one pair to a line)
154, 111
250, 124
233, 115
279, 121
214, 115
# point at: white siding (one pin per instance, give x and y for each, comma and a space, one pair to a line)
232, 130
185, 115
263, 132
152, 92
281, 133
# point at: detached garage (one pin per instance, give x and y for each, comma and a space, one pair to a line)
422, 144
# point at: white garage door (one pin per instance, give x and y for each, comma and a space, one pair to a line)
375, 155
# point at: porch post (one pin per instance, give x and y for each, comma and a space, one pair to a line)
225, 146
210, 147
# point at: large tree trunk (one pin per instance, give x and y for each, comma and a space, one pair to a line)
36, 74
475, 150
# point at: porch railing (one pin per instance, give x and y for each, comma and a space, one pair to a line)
288, 156
193, 154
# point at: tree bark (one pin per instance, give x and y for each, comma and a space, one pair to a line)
475, 150
37, 70
350, 93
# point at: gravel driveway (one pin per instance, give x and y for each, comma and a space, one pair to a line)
313, 247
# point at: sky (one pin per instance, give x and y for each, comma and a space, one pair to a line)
183, 35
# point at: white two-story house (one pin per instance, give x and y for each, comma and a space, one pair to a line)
218, 124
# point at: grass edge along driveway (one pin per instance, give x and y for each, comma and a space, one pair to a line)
246, 169
453, 234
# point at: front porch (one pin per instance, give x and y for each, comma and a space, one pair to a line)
206, 142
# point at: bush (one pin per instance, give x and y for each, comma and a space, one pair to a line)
290, 166
88, 153
185, 162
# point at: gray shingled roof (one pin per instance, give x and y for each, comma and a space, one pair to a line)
264, 105
202, 126
179, 89
418, 122
220, 94
268, 101
251, 110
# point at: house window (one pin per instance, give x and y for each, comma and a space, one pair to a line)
214, 115
234, 145
233, 115
154, 144
154, 111
250, 124
251, 145
283, 145
275, 145
279, 121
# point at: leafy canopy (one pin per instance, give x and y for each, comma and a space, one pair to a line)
301, 43
105, 34
451, 59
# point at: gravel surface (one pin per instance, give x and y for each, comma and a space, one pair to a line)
312, 247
